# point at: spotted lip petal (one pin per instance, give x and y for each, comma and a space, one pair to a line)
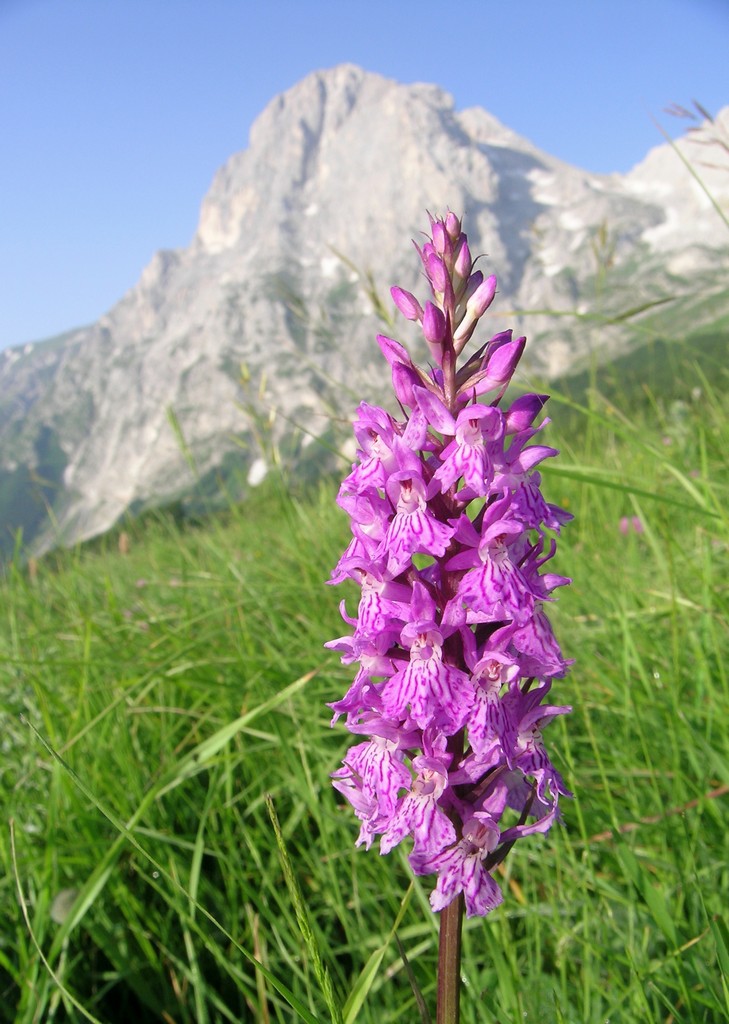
414, 529
419, 813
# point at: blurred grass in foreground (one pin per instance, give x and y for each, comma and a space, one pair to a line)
175, 686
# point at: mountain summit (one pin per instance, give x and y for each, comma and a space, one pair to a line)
267, 311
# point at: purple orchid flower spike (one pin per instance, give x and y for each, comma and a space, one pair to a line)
452, 544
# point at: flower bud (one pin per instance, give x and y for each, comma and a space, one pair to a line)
482, 297
434, 324
437, 273
453, 226
441, 240
503, 361
523, 411
406, 303
463, 262
474, 281
404, 375
497, 366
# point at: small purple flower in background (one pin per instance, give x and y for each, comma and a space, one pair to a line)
452, 639
634, 523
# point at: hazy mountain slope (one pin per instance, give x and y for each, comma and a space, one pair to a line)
344, 164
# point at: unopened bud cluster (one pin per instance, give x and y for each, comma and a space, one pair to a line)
449, 548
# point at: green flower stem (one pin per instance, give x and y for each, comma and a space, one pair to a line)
449, 963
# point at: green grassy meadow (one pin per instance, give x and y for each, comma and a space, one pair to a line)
154, 701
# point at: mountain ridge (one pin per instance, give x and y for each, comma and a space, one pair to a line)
338, 174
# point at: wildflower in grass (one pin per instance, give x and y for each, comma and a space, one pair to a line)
450, 550
635, 523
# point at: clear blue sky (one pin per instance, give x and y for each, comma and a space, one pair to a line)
115, 114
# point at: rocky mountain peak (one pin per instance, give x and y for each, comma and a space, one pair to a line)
334, 184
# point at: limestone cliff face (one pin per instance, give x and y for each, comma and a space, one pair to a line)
333, 186
690, 230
